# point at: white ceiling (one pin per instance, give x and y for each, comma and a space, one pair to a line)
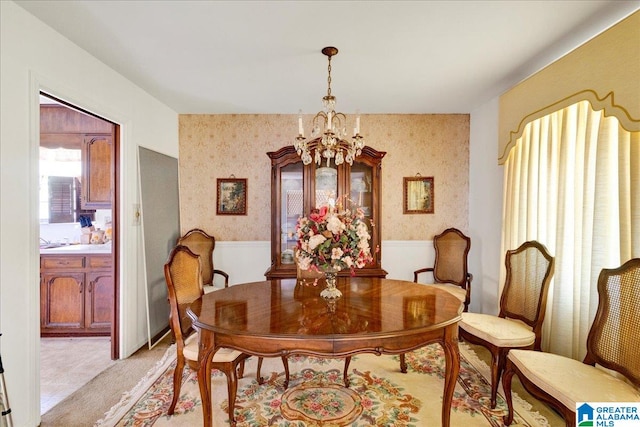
222, 57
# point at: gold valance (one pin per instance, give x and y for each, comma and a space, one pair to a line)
605, 71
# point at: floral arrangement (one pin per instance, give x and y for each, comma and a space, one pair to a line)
333, 239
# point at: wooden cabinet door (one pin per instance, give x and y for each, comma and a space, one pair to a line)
99, 300
62, 301
97, 173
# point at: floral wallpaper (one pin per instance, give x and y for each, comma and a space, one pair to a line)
235, 145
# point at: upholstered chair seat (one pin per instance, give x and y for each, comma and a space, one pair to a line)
498, 331
569, 381
456, 290
223, 355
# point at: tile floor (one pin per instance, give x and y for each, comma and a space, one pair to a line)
66, 364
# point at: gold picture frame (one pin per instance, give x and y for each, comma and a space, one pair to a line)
232, 196
418, 195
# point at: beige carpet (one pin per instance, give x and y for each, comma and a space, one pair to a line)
379, 395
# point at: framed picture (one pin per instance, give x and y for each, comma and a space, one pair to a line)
232, 196
418, 195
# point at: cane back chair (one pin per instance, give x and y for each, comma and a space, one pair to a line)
450, 270
610, 372
201, 243
522, 309
184, 285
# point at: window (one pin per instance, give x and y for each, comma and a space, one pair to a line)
60, 186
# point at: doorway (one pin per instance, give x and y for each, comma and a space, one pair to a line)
79, 197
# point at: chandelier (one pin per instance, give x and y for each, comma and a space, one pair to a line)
329, 134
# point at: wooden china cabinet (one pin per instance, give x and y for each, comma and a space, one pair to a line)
296, 189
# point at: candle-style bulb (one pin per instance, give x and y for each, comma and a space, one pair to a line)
300, 128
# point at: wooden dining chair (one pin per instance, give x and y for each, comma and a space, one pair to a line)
522, 309
203, 244
184, 285
450, 269
613, 343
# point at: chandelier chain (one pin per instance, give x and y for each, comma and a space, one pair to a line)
329, 78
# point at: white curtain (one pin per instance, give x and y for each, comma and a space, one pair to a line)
572, 182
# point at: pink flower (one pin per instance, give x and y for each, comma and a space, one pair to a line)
319, 216
366, 403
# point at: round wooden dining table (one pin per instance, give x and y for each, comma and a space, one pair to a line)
277, 318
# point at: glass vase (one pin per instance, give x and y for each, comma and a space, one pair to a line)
331, 292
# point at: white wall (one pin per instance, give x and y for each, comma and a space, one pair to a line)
33, 57
485, 208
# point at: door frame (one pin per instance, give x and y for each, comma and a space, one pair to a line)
115, 205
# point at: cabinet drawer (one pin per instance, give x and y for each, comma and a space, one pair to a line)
99, 262
62, 262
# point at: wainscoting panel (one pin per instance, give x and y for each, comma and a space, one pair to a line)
247, 261
402, 257
243, 261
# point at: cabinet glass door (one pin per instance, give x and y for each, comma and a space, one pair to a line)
292, 199
360, 181
326, 186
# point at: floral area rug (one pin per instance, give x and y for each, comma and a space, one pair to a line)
379, 395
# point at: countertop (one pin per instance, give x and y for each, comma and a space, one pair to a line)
102, 249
